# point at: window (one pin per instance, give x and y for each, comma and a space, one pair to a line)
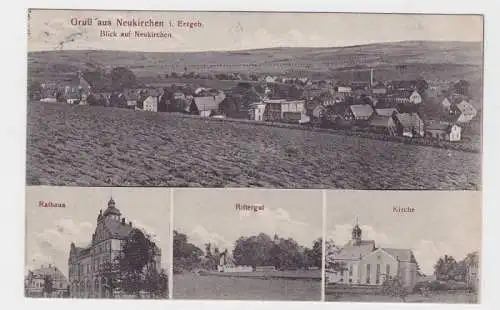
350, 270
368, 274
377, 277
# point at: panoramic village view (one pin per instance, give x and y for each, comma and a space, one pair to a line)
381, 252
88, 248
386, 115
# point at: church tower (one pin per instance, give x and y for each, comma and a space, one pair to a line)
356, 234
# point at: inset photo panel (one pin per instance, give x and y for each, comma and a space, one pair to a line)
403, 246
247, 244
97, 242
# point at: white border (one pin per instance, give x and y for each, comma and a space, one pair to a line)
13, 137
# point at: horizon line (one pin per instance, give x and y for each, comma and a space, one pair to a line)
256, 49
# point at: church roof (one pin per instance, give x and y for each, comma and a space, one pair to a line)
403, 255
351, 251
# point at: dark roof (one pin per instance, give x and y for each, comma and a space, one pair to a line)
380, 121
401, 94
111, 208
117, 229
409, 119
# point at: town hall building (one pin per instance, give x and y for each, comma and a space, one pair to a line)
89, 267
362, 263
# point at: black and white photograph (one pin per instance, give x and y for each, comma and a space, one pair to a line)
84, 242
254, 99
243, 244
416, 247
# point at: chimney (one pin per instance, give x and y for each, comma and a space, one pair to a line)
123, 221
130, 223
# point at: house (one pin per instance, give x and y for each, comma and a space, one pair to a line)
443, 131
150, 104
446, 104
270, 79
384, 124
465, 111
257, 111
360, 262
403, 85
379, 90
131, 97
293, 110
344, 90
359, 112
409, 125
404, 97
36, 279
207, 105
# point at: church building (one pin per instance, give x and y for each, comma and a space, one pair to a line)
90, 269
360, 262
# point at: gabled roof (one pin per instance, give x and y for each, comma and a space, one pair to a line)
361, 110
409, 119
209, 102
385, 111
466, 107
350, 251
117, 229
381, 121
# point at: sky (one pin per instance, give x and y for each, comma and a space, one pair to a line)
443, 222
50, 231
210, 215
245, 30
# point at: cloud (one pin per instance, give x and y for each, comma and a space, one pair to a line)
200, 235
52, 244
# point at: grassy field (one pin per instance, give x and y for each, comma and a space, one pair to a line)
95, 146
190, 286
289, 274
436, 297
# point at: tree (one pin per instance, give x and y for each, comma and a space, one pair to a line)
186, 255
138, 251
122, 78
461, 87
445, 268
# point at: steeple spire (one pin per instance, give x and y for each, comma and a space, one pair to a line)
356, 233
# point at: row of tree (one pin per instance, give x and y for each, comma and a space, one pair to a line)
258, 250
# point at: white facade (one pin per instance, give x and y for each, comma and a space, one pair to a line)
258, 111
150, 104
415, 97
296, 106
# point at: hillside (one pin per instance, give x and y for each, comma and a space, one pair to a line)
432, 60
